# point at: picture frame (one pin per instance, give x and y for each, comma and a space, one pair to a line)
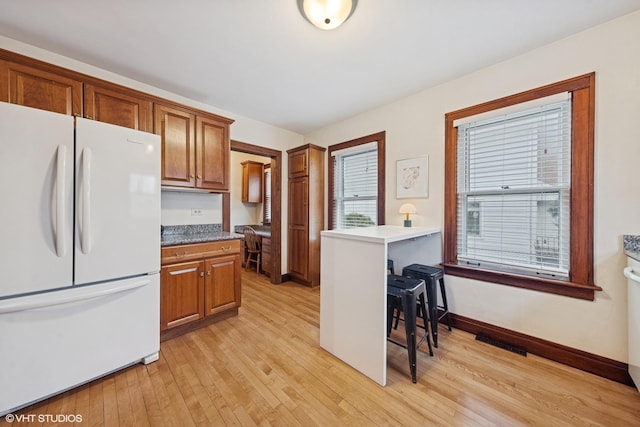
412, 178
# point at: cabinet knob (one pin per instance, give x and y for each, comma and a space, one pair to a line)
199, 177
191, 176
202, 274
208, 272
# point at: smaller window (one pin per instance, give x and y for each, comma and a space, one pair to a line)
356, 186
357, 182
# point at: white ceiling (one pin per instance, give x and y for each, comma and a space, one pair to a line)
260, 59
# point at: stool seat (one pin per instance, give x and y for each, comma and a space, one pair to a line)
425, 270
432, 276
412, 293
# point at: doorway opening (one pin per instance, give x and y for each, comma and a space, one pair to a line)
276, 203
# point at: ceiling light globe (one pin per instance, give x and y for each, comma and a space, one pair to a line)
326, 14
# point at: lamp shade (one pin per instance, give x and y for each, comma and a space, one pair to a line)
326, 14
407, 208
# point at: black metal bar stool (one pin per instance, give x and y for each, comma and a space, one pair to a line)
411, 293
431, 276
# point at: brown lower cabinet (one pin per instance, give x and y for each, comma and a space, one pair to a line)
266, 255
199, 283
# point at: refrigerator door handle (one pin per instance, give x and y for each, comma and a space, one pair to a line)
61, 166
629, 273
50, 299
85, 229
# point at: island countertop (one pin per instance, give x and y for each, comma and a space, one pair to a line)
380, 233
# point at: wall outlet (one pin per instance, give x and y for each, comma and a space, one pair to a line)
196, 212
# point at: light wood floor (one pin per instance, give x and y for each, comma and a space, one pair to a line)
265, 367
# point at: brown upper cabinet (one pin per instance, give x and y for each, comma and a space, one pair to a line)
195, 148
106, 104
212, 153
298, 164
177, 131
33, 87
252, 181
195, 144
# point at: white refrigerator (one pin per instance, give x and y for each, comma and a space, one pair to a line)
632, 272
79, 252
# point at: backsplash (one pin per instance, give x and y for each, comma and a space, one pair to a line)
183, 208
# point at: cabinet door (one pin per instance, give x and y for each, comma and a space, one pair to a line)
298, 164
298, 228
31, 87
213, 146
222, 284
298, 202
110, 106
177, 129
181, 294
252, 182
299, 252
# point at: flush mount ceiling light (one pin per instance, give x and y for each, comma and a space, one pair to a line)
327, 14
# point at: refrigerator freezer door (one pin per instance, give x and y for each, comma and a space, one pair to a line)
117, 202
58, 340
36, 172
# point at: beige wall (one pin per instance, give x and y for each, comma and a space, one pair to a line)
415, 127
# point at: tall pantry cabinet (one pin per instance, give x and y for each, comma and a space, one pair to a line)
306, 212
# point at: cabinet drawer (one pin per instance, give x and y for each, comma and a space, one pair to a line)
179, 253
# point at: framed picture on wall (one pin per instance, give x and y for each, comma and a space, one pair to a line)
412, 178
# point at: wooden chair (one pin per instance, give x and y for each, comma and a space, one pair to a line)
254, 251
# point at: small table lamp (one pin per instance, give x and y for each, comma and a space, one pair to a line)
407, 209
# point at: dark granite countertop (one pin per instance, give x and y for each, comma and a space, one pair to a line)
261, 230
171, 235
631, 246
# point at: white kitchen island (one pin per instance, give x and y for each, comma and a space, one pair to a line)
353, 292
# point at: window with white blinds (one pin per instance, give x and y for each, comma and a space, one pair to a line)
513, 191
355, 198
266, 203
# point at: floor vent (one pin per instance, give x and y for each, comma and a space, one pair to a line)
502, 345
